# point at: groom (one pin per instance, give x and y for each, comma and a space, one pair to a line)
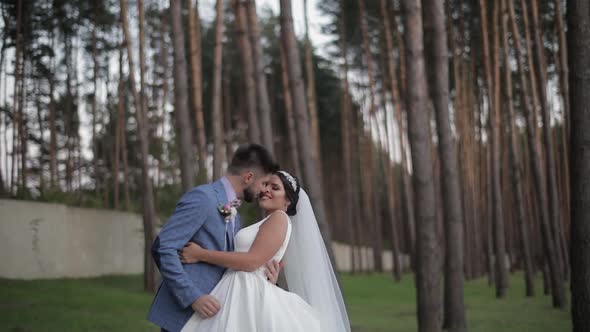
185, 288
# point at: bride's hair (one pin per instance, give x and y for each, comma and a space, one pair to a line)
292, 187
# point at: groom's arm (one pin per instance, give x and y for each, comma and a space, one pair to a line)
186, 220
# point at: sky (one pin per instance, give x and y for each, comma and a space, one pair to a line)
207, 7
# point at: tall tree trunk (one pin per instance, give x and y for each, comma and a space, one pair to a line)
247, 64
119, 130
529, 56
493, 88
516, 173
554, 210
149, 211
53, 178
261, 87
549, 244
216, 111
357, 219
194, 32
17, 114
562, 69
293, 143
579, 47
563, 66
387, 165
93, 105
227, 114
501, 276
408, 195
311, 94
183, 127
437, 52
124, 155
427, 252
164, 60
345, 128
398, 106
372, 214
312, 180
401, 48
41, 156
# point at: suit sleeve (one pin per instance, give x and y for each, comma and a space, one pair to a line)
187, 219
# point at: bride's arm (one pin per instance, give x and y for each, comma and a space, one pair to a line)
268, 241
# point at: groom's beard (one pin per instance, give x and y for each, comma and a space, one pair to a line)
249, 195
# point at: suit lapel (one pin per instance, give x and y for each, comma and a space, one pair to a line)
219, 192
222, 199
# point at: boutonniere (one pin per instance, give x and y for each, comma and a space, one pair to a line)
229, 210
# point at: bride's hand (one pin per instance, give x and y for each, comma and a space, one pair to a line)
191, 253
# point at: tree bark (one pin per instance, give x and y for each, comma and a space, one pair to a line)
436, 43
293, 144
218, 150
260, 75
536, 162
93, 104
53, 177
371, 156
579, 77
120, 133
227, 113
427, 249
194, 32
554, 210
149, 211
563, 66
312, 180
247, 64
499, 233
311, 94
398, 107
516, 173
388, 169
185, 149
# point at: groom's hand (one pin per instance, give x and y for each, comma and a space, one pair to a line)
272, 271
190, 253
206, 305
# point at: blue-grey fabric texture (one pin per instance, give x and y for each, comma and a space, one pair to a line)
196, 219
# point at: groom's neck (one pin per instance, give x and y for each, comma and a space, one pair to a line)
235, 182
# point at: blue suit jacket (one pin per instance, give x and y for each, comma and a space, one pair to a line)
196, 219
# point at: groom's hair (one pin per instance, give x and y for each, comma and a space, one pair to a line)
251, 156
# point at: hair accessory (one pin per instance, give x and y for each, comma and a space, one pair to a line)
291, 180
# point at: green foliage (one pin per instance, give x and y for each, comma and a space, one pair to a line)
83, 198
166, 198
375, 304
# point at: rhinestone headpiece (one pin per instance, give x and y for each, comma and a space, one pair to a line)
291, 180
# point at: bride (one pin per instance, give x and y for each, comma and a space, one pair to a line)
248, 301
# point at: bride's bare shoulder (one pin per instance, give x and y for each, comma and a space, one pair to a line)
277, 217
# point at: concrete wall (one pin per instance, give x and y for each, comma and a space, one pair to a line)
344, 261
39, 240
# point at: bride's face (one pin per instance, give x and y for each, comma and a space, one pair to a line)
273, 196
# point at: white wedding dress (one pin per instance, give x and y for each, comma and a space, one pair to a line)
249, 302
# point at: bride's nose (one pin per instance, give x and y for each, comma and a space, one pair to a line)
265, 189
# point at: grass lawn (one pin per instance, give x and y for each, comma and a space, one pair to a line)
375, 303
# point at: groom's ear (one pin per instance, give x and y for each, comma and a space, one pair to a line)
248, 177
